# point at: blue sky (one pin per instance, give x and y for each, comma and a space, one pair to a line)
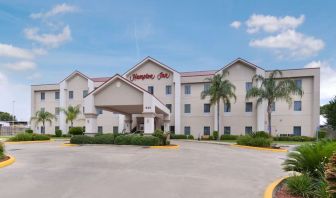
43, 41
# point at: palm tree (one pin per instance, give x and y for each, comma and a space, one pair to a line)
272, 89
220, 88
43, 117
71, 113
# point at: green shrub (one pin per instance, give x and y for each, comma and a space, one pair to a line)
58, 133
104, 139
248, 140
244, 140
294, 138
322, 134
28, 137
82, 139
300, 185
66, 135
228, 137
36, 137
123, 140
2, 150
310, 158
145, 140
190, 137
178, 136
260, 134
215, 135
29, 131
76, 131
162, 136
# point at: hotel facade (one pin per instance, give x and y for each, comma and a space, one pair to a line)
152, 95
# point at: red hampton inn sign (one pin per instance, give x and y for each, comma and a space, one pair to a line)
149, 76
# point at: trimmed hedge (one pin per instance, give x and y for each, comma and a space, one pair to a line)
228, 137
58, 133
2, 150
104, 139
76, 131
215, 135
294, 138
123, 140
145, 140
248, 140
82, 139
28, 137
29, 131
181, 136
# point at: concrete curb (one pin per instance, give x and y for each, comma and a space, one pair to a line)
29, 142
68, 144
165, 147
271, 187
260, 148
8, 162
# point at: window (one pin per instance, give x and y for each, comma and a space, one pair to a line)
187, 130
207, 86
99, 111
172, 129
297, 106
42, 95
115, 129
151, 89
248, 86
57, 111
248, 107
168, 89
227, 130
273, 106
169, 106
227, 107
57, 95
297, 131
187, 108
248, 130
71, 94
42, 109
298, 83
100, 129
207, 108
42, 130
206, 130
187, 89
85, 93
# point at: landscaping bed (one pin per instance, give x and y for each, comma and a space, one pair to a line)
4, 158
28, 137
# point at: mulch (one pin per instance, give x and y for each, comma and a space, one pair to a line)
284, 193
4, 159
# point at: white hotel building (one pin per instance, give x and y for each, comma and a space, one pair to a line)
153, 95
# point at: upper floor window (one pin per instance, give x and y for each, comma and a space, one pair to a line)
248, 130
248, 107
42, 95
151, 89
187, 89
297, 106
207, 108
227, 107
187, 108
57, 111
71, 94
207, 86
297, 130
169, 106
187, 130
298, 83
85, 93
99, 111
248, 86
57, 95
227, 130
273, 106
168, 89
206, 130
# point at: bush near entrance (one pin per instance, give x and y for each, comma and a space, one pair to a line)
76, 131
258, 139
181, 136
2, 151
58, 133
28, 137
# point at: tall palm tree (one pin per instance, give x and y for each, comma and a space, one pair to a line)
220, 88
71, 113
43, 117
272, 89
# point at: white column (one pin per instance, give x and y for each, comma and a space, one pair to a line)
216, 118
261, 108
63, 104
166, 123
149, 123
177, 105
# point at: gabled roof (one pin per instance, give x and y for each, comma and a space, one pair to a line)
148, 58
242, 61
100, 79
75, 73
198, 73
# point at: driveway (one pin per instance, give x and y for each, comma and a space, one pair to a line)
194, 170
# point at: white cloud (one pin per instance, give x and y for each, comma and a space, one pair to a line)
21, 65
290, 43
327, 79
15, 52
56, 10
271, 24
235, 24
50, 40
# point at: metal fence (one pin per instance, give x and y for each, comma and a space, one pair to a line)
10, 130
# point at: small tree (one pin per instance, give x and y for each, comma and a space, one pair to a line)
71, 114
329, 112
43, 117
273, 89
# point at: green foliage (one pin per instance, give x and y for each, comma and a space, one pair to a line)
123, 140
2, 150
29, 131
104, 139
301, 185
181, 136
249, 140
215, 135
71, 113
294, 138
260, 134
329, 112
330, 175
228, 137
322, 134
145, 140
162, 136
58, 133
4, 116
82, 139
190, 137
43, 117
28, 137
310, 158
76, 131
